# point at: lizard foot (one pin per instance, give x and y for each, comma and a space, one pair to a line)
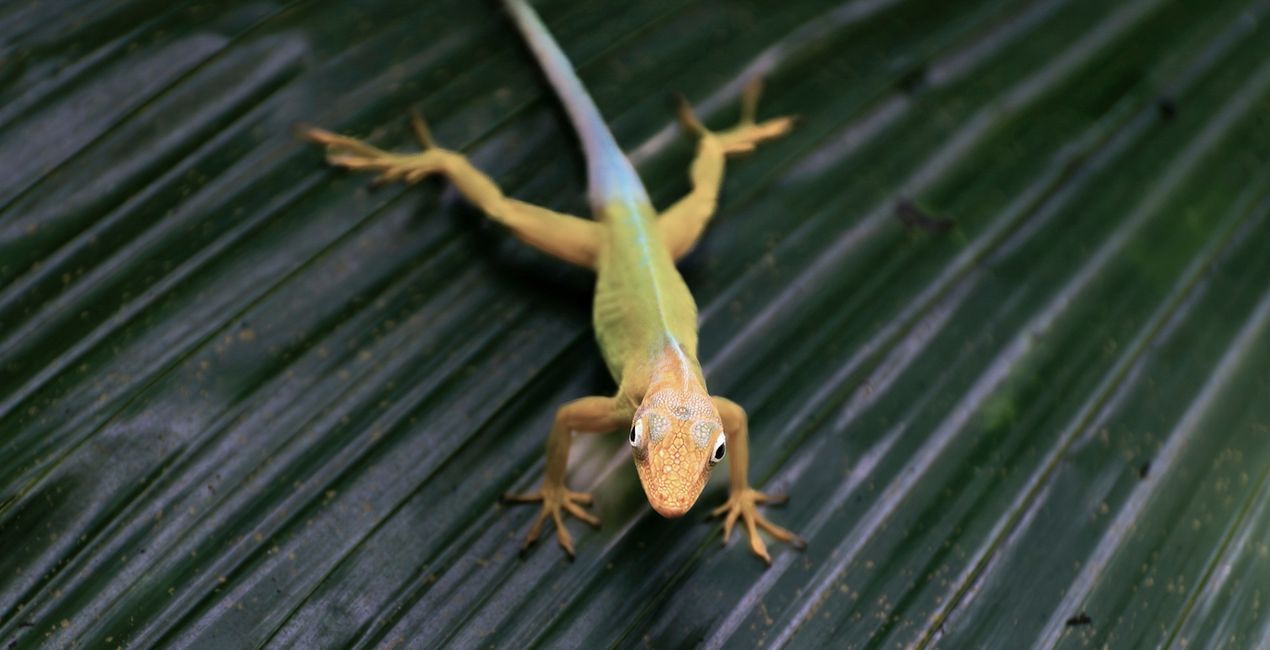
556, 501
351, 153
746, 135
744, 505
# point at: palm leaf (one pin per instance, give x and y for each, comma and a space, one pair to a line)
998, 310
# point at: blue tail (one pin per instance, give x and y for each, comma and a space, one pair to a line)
610, 175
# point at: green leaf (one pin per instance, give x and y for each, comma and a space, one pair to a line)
998, 309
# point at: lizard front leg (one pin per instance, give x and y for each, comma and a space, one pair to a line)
681, 224
563, 236
743, 500
586, 415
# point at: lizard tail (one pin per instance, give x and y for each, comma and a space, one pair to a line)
609, 173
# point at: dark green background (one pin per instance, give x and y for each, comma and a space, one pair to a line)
244, 400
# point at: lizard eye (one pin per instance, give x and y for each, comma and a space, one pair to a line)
720, 448
637, 433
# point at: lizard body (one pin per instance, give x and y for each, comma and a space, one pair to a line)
644, 315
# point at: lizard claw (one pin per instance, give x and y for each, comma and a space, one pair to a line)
687, 117
421, 131
556, 502
744, 506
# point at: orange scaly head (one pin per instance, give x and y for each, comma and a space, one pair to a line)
676, 438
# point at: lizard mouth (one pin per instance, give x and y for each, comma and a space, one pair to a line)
671, 512
671, 495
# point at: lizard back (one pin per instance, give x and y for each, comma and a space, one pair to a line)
641, 302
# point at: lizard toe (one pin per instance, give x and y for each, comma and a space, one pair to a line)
743, 506
556, 503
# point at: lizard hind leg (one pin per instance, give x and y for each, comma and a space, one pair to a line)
749, 132
351, 153
560, 235
682, 224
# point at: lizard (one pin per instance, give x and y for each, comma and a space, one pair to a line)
644, 316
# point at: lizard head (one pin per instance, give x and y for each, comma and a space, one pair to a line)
676, 439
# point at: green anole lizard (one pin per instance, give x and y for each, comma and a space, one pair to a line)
645, 318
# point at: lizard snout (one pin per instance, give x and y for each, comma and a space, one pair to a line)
671, 511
